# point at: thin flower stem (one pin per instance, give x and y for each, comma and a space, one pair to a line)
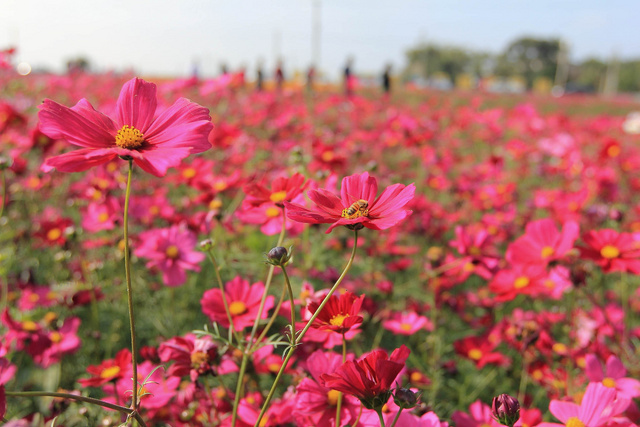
306, 328
212, 258
248, 349
123, 410
292, 302
379, 411
344, 359
127, 270
4, 192
522, 389
273, 317
359, 415
395, 420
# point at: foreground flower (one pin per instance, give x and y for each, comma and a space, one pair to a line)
614, 376
369, 379
172, 251
154, 144
357, 205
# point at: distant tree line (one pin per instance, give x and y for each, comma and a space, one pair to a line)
526, 58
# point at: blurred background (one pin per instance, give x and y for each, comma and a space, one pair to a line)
588, 46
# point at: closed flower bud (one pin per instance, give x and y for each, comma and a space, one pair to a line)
405, 398
279, 256
505, 409
206, 244
5, 162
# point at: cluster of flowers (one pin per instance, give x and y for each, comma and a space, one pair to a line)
480, 283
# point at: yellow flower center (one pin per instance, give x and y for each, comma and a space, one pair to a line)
237, 307
406, 326
609, 382
54, 234
278, 197
215, 204
103, 217
332, 397
546, 252
609, 252
559, 348
220, 186
172, 252
110, 372
475, 354
49, 317
272, 212
198, 358
521, 282
34, 298
575, 422
29, 325
129, 138
338, 319
327, 156
613, 151
55, 337
189, 173
273, 367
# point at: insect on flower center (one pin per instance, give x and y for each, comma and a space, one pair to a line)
237, 307
609, 252
338, 319
358, 209
172, 252
575, 422
546, 252
272, 212
332, 397
110, 372
278, 197
475, 354
609, 382
198, 358
521, 282
129, 137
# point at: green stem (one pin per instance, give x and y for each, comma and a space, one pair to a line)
216, 268
395, 420
4, 192
344, 359
127, 411
247, 351
379, 412
292, 302
306, 328
523, 379
127, 270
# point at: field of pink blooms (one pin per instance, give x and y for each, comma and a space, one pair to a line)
289, 258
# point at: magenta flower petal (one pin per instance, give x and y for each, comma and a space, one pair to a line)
327, 201
615, 369
563, 410
77, 125
158, 161
184, 124
356, 187
387, 221
593, 368
392, 198
79, 160
301, 214
137, 104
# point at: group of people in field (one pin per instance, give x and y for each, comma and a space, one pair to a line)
348, 78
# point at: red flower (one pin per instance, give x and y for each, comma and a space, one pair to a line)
339, 314
612, 251
154, 144
191, 356
369, 379
543, 242
109, 370
357, 205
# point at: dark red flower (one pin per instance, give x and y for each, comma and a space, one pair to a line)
339, 314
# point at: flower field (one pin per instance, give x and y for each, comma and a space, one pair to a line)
288, 258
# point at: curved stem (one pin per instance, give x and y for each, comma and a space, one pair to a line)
222, 292
236, 401
123, 410
306, 328
291, 301
379, 411
4, 192
395, 420
127, 271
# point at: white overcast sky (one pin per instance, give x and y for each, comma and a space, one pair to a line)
165, 37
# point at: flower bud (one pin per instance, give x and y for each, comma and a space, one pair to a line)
5, 162
405, 398
505, 409
206, 244
279, 256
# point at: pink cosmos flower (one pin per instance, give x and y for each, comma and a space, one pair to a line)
407, 323
612, 251
598, 407
191, 356
243, 302
172, 251
7, 372
357, 205
614, 376
154, 144
543, 242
